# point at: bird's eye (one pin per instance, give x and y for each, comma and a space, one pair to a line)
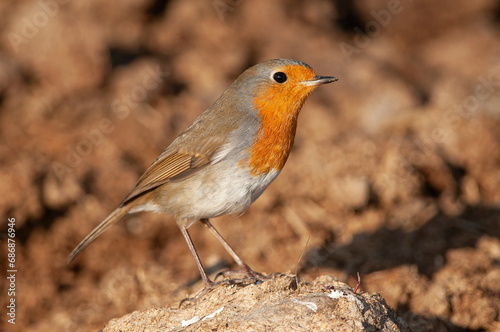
280, 77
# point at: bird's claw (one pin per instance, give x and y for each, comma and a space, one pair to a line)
247, 272
249, 278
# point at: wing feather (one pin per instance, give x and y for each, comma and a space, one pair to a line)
175, 165
203, 143
160, 172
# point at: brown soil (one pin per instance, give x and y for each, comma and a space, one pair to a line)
395, 172
280, 304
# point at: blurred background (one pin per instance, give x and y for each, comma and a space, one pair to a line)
395, 172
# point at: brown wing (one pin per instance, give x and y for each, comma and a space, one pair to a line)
174, 165
198, 146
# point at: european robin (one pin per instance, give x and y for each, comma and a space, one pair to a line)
224, 161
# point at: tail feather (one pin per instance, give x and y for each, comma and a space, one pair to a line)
115, 216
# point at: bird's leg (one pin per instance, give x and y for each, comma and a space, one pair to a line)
209, 284
245, 270
204, 277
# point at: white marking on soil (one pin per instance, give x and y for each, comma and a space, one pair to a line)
311, 305
196, 319
212, 315
191, 321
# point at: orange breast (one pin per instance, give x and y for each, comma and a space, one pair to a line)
279, 107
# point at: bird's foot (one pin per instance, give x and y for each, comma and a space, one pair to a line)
247, 272
212, 285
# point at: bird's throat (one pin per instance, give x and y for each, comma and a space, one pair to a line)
275, 137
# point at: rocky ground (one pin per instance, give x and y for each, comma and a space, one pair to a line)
395, 172
284, 303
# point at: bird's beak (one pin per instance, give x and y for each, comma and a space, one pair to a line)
318, 80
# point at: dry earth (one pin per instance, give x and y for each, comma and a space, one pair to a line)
395, 172
281, 304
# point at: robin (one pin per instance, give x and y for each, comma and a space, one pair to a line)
224, 161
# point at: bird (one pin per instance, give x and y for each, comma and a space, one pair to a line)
226, 158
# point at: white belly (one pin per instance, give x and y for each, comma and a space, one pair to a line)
209, 195
232, 194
